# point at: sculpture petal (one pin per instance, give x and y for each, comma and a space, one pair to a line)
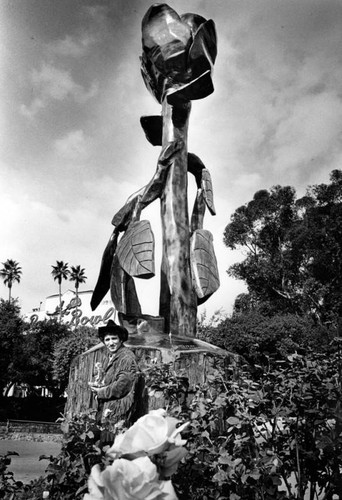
194, 21
203, 51
135, 250
165, 39
197, 89
201, 57
153, 79
162, 26
103, 281
178, 54
204, 269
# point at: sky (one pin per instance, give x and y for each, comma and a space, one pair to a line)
72, 149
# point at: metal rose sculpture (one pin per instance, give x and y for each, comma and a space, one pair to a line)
177, 62
178, 54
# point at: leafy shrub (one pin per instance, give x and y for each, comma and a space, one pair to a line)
67, 348
67, 474
276, 437
259, 338
273, 439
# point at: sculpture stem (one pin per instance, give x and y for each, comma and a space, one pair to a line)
178, 304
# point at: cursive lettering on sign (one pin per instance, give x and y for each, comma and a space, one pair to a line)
77, 319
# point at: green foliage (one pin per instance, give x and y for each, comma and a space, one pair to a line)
7, 482
10, 489
254, 440
275, 438
168, 387
35, 361
77, 275
11, 327
67, 474
60, 271
39, 355
10, 273
260, 338
293, 250
67, 348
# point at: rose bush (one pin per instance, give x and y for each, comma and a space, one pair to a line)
144, 458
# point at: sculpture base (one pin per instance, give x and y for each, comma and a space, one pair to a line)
170, 346
193, 359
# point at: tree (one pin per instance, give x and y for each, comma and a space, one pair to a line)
77, 275
293, 250
60, 272
9, 273
66, 349
11, 327
259, 338
36, 361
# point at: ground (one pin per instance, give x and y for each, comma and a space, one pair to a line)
27, 465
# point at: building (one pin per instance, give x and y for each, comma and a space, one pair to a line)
76, 311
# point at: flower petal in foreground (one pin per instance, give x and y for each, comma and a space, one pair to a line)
150, 435
129, 480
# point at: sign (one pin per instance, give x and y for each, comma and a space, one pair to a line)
75, 315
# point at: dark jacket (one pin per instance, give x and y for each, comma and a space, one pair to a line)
118, 395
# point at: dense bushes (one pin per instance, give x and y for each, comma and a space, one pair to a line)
276, 437
67, 348
259, 337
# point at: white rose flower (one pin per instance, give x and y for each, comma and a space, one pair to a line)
129, 480
152, 434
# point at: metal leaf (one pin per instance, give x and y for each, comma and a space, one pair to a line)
207, 187
204, 269
135, 250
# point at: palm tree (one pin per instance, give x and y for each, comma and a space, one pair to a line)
77, 275
60, 272
9, 273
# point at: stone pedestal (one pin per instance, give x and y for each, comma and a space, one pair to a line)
191, 358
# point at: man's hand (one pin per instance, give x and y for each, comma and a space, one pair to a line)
93, 388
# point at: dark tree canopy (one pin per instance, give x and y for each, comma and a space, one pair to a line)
40, 355
67, 348
35, 361
10, 273
259, 338
11, 327
293, 249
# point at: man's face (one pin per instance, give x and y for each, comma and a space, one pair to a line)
112, 342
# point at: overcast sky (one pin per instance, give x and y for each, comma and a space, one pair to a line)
72, 149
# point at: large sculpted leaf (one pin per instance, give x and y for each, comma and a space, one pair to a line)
135, 250
117, 286
203, 180
103, 281
153, 128
204, 270
123, 292
207, 187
